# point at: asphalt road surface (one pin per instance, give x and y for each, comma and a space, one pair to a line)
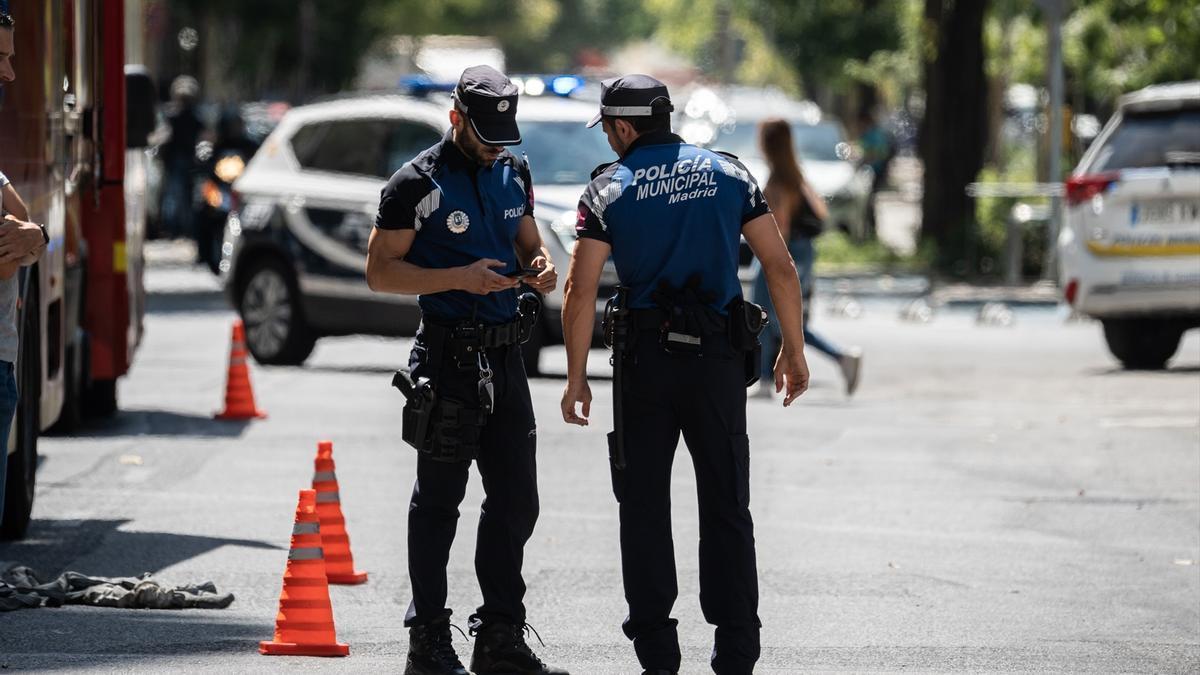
993, 499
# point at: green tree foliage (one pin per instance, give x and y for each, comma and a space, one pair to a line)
1115, 46
287, 47
820, 39
537, 35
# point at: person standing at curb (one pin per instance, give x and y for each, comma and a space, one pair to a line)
21, 245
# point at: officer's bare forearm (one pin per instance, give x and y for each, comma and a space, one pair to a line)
525, 257
787, 298
579, 319
529, 244
404, 278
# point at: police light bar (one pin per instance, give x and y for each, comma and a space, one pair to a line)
538, 85
423, 85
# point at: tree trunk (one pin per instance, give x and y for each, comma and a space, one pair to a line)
954, 130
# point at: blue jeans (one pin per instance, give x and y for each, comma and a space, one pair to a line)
8, 406
804, 254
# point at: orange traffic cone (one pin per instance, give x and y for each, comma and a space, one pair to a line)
339, 563
304, 625
239, 395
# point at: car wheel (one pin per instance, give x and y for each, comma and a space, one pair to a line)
269, 304
1142, 344
22, 465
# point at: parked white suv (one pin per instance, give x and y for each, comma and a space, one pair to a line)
1130, 245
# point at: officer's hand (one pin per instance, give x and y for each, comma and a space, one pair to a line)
546, 281
791, 370
478, 277
577, 392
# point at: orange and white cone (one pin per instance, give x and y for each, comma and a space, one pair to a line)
239, 395
339, 562
304, 625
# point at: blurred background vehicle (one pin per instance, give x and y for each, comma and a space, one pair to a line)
220, 162
830, 161
1130, 247
293, 250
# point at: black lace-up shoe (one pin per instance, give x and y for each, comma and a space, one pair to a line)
500, 649
430, 651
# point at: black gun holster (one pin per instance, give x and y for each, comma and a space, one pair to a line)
746, 323
440, 429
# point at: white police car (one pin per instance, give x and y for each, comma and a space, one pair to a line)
295, 246
1130, 244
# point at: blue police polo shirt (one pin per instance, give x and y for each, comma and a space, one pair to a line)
672, 210
462, 212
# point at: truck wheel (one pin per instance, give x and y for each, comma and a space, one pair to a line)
22, 465
101, 398
72, 415
1142, 344
269, 304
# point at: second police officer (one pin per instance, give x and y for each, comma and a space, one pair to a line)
672, 215
456, 227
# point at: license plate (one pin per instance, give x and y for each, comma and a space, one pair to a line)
1166, 212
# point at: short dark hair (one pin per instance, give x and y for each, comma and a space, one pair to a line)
6, 20
645, 124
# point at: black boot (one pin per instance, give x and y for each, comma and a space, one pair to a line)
430, 651
500, 649
659, 672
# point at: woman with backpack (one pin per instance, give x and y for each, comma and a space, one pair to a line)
800, 213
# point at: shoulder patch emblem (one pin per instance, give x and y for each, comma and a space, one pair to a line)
458, 222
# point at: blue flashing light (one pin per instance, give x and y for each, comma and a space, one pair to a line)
565, 85
421, 85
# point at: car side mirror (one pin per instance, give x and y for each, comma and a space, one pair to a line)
140, 107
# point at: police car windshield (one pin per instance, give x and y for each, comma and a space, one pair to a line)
814, 142
563, 153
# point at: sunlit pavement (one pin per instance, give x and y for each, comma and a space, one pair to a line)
993, 499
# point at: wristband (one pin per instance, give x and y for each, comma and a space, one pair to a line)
45, 233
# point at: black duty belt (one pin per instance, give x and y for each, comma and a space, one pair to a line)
655, 319
474, 335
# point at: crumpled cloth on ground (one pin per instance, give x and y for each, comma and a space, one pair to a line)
21, 588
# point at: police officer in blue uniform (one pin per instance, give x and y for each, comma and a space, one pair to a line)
456, 227
671, 215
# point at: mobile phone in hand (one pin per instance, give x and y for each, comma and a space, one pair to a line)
523, 273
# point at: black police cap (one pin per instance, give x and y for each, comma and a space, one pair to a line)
490, 101
632, 96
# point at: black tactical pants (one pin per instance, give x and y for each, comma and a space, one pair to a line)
704, 398
507, 465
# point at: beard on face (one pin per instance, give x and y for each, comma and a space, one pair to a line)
475, 149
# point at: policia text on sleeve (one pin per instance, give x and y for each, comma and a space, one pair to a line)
672, 215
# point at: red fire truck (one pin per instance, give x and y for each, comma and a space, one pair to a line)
73, 128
